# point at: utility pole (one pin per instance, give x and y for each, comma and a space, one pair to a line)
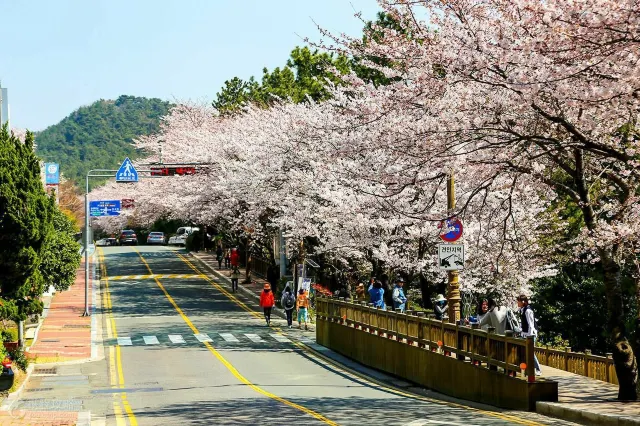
282, 254
453, 291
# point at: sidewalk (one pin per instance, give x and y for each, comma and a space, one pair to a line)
252, 289
587, 401
65, 335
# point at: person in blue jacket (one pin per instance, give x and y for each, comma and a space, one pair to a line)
399, 299
376, 292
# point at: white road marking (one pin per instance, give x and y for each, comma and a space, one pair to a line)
280, 338
228, 337
202, 337
150, 340
176, 338
124, 341
254, 338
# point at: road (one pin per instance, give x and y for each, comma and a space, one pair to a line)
180, 349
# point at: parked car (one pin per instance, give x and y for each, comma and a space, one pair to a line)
180, 239
156, 238
128, 237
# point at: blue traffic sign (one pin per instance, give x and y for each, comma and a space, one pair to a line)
453, 228
104, 208
126, 172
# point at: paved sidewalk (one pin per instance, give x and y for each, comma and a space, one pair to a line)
588, 401
254, 288
65, 335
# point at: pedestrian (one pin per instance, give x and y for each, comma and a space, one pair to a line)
528, 326
302, 304
360, 293
440, 307
481, 311
227, 258
376, 293
219, 256
235, 276
267, 302
399, 299
496, 317
288, 303
235, 257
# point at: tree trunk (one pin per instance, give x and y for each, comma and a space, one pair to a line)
623, 355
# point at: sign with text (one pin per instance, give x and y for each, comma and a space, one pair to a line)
104, 208
451, 256
51, 173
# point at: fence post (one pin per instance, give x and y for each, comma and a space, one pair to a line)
530, 353
567, 350
490, 332
587, 354
420, 329
609, 356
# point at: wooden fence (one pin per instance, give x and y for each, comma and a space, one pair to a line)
482, 347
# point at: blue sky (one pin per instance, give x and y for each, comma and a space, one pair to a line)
58, 55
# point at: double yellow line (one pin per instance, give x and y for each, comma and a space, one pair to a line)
116, 374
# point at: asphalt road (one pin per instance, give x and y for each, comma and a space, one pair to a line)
163, 370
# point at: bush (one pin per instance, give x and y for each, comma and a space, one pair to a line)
9, 335
20, 359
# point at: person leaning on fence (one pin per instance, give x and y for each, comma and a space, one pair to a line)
399, 299
288, 303
376, 293
528, 326
496, 317
440, 307
302, 304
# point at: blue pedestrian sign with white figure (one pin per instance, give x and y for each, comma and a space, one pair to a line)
126, 172
104, 208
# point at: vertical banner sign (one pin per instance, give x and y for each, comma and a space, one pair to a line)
52, 173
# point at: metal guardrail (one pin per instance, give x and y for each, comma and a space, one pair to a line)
259, 266
483, 348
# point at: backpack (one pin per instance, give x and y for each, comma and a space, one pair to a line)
513, 321
289, 301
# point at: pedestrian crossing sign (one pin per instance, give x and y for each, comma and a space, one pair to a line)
126, 172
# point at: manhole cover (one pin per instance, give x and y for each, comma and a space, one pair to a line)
39, 389
76, 326
45, 370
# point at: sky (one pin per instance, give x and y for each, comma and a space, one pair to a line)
56, 56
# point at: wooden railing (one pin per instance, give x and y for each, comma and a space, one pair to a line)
483, 348
584, 364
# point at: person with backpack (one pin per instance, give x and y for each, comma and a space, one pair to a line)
528, 326
267, 302
235, 276
288, 302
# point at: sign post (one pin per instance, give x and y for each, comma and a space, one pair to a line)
454, 232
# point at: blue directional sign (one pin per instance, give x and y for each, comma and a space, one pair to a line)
104, 208
126, 172
52, 173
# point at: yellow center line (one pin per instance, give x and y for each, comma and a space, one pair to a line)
367, 379
227, 364
115, 362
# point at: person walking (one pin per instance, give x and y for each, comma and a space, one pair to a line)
219, 256
288, 303
267, 302
235, 257
399, 299
376, 293
235, 276
528, 326
440, 307
302, 304
227, 258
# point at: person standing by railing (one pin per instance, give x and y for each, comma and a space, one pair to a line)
440, 307
528, 324
496, 317
399, 299
376, 292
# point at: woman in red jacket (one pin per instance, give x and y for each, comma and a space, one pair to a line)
267, 301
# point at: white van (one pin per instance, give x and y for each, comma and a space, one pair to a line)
180, 238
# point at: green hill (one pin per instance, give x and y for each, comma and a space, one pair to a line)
99, 136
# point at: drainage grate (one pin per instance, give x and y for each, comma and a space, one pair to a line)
41, 370
39, 389
50, 340
76, 326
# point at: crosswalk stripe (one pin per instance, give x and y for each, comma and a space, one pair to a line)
176, 338
150, 340
254, 338
124, 341
202, 337
228, 337
280, 338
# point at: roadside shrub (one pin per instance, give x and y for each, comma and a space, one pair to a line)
9, 335
20, 359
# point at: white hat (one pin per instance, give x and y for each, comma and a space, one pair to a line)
440, 298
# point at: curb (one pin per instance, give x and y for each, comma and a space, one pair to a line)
561, 411
255, 297
10, 399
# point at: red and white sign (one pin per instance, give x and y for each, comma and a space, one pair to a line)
450, 229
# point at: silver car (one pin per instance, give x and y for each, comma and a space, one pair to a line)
156, 238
